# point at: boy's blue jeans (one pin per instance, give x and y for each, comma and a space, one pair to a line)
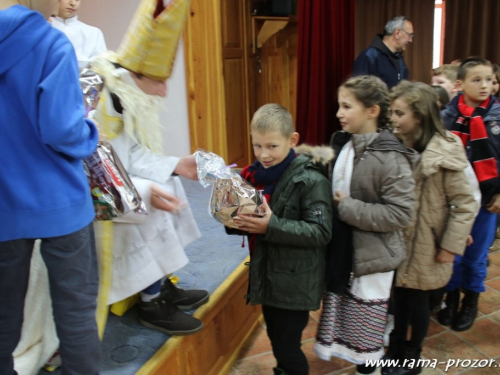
73, 277
469, 270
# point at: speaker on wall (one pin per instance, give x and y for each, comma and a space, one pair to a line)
283, 7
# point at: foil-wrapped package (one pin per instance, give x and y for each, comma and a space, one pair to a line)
231, 194
113, 193
91, 84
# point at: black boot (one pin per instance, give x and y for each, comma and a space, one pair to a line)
409, 364
164, 316
446, 315
395, 350
468, 312
183, 299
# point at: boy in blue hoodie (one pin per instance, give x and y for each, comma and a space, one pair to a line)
474, 116
44, 190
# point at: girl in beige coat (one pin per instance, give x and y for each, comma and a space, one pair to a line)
443, 217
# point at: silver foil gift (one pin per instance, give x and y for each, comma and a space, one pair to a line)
231, 194
113, 193
91, 85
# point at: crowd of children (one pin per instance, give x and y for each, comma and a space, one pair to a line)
415, 194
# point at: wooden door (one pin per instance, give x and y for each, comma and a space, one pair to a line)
233, 23
277, 80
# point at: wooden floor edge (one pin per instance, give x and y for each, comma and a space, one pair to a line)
174, 342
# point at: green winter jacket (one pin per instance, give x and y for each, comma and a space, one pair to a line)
288, 263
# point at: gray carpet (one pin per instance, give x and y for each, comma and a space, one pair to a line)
127, 345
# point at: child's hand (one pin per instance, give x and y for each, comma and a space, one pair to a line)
494, 206
165, 201
469, 241
254, 224
337, 197
445, 256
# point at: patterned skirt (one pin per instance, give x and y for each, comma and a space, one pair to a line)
352, 326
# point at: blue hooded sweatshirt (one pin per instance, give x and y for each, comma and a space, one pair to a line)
44, 191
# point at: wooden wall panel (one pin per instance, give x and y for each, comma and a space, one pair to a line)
205, 83
236, 111
278, 60
225, 87
235, 73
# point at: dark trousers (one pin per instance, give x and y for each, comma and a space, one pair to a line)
284, 328
73, 278
411, 308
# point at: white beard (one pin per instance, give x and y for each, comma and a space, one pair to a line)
140, 116
140, 111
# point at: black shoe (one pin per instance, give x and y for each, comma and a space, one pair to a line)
468, 312
167, 318
446, 315
183, 299
411, 357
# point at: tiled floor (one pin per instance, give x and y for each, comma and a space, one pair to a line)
482, 341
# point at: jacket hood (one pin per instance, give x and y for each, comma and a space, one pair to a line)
385, 140
16, 23
378, 43
321, 155
443, 153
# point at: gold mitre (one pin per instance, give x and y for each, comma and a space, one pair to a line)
150, 44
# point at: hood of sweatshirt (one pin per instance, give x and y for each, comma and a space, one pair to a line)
16, 23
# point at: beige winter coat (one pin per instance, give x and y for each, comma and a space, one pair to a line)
443, 217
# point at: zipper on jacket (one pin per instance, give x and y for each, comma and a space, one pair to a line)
412, 252
379, 236
319, 213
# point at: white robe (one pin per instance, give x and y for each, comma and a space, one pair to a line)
88, 41
147, 247
38, 336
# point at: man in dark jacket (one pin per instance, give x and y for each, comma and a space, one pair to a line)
384, 57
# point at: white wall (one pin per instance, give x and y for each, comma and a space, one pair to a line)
113, 18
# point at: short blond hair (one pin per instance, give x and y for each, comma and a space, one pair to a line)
272, 117
447, 70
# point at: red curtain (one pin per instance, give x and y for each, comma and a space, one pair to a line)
325, 58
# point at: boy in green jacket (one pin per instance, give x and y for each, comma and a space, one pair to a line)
288, 244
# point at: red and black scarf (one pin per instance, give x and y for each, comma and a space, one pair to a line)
265, 179
471, 129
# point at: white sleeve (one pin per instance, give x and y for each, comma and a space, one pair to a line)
146, 164
100, 44
476, 191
